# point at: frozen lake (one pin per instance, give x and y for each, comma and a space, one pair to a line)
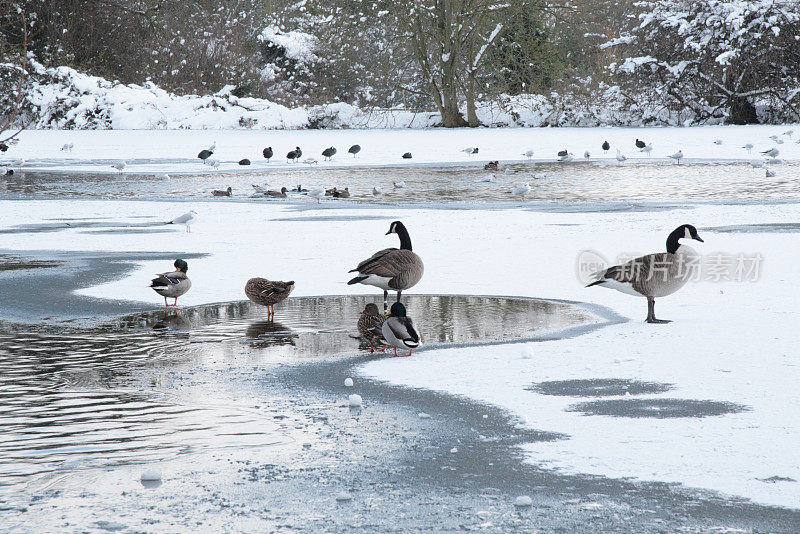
608, 423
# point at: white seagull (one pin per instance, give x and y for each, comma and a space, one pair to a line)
748, 147
587, 155
528, 154
399, 185
521, 190
677, 156
120, 166
648, 149
187, 219
620, 156
317, 192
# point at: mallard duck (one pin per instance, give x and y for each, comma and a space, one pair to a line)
398, 330
369, 326
277, 194
173, 284
262, 291
222, 193
655, 275
391, 268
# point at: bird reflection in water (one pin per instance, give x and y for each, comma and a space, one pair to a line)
269, 333
173, 322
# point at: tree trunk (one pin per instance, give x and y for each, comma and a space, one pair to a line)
742, 111
472, 114
451, 116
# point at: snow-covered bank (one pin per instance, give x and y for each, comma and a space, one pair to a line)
732, 342
64, 98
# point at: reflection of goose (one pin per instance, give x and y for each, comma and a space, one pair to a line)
391, 268
267, 293
655, 275
369, 326
398, 330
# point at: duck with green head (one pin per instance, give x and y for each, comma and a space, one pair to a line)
398, 330
172, 285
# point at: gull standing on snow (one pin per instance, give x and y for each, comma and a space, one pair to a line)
120, 166
67, 147
399, 185
521, 191
677, 156
620, 156
187, 219
717, 141
586, 154
748, 147
655, 275
528, 154
648, 149
212, 163
317, 192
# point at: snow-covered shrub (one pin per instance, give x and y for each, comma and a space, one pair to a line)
714, 60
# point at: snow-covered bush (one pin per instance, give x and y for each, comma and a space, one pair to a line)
714, 60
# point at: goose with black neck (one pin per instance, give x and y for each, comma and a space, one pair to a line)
391, 268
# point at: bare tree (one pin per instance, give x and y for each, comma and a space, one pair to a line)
14, 70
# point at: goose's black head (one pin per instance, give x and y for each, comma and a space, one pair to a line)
395, 227
181, 265
399, 228
397, 310
684, 231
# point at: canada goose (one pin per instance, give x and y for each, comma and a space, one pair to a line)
291, 156
120, 166
566, 157
391, 268
342, 193
328, 153
173, 284
205, 154
398, 330
244, 161
299, 189
772, 152
492, 166
369, 326
266, 293
268, 153
521, 191
407, 155
655, 275
677, 156
186, 219
640, 144
330, 192
277, 194
355, 149
605, 146
3, 147
225, 193
562, 153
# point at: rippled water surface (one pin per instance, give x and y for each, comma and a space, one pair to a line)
104, 396
576, 181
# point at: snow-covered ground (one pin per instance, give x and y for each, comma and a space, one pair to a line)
175, 151
731, 341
